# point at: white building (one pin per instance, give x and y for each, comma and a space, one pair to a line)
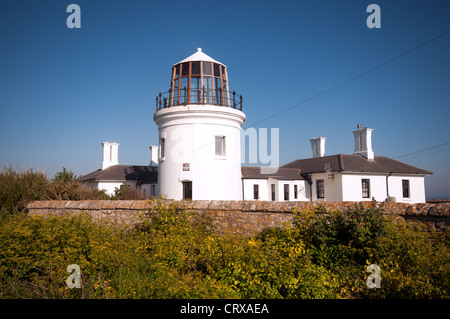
112, 175
361, 176
198, 157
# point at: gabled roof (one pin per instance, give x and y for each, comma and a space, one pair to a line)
281, 174
199, 56
143, 174
354, 163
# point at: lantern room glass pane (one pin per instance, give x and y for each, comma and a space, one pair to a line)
195, 68
195, 94
207, 68
175, 92
218, 91
177, 70
183, 90
223, 72
207, 93
185, 69
216, 69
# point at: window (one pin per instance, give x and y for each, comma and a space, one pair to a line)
216, 69
255, 191
220, 145
365, 188
320, 188
195, 68
187, 190
153, 190
272, 188
405, 187
295, 191
207, 70
286, 191
162, 147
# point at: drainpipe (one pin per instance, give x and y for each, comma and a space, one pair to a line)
388, 198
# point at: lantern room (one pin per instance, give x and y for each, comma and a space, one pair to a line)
199, 79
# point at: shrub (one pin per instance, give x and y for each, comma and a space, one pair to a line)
175, 254
18, 188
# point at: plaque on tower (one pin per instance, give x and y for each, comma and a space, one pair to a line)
186, 167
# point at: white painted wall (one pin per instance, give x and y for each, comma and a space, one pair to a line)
416, 191
332, 186
264, 191
110, 186
352, 187
189, 133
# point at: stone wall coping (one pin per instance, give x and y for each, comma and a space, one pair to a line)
420, 209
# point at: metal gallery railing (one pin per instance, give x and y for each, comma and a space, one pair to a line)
198, 96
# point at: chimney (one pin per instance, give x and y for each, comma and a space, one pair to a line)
154, 153
318, 146
110, 154
363, 142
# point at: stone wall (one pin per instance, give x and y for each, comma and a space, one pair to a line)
245, 217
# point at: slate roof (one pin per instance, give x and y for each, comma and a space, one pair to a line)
281, 174
143, 174
354, 163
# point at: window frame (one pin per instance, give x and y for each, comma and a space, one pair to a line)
365, 191
408, 188
255, 191
320, 188
162, 148
223, 151
286, 192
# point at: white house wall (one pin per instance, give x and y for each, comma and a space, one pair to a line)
332, 186
265, 189
352, 187
110, 187
416, 188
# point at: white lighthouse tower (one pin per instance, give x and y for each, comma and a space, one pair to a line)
199, 122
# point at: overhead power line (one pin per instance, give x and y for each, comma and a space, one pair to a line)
423, 150
352, 78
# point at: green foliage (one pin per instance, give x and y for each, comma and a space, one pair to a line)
18, 188
176, 254
124, 192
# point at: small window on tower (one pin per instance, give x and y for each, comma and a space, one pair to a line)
162, 146
220, 145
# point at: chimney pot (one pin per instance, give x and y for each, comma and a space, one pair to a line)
363, 142
318, 146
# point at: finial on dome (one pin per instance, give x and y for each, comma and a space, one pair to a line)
199, 49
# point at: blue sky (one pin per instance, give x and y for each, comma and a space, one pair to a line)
64, 91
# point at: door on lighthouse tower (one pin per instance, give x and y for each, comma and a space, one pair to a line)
187, 190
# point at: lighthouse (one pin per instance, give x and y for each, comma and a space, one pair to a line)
199, 122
